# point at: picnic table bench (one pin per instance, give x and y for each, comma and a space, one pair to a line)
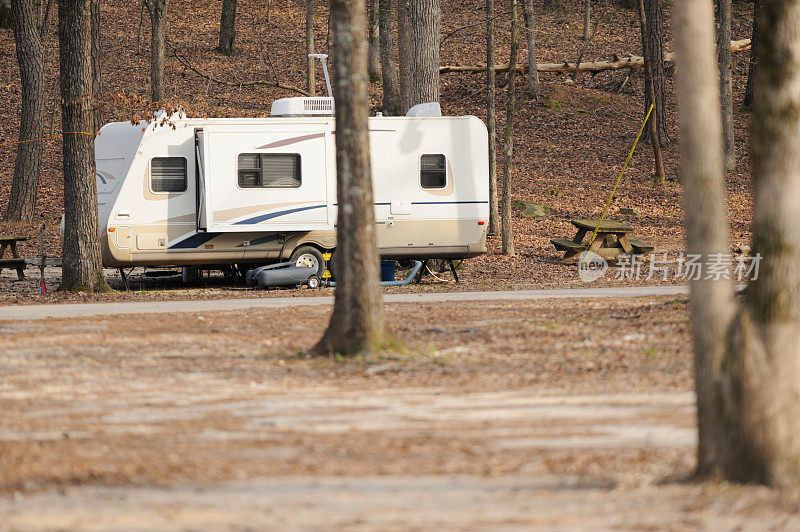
15, 262
611, 241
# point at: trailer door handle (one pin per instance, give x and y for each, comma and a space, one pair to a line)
123, 214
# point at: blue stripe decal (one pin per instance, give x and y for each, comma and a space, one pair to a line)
446, 202
262, 217
194, 241
260, 240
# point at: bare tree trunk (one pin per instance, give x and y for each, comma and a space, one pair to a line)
403, 57
227, 28
357, 324
587, 18
6, 18
391, 96
533, 74
424, 20
374, 51
655, 54
753, 68
82, 267
311, 82
29, 30
726, 81
158, 36
491, 120
658, 179
505, 207
97, 67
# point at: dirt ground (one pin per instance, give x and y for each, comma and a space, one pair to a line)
497, 415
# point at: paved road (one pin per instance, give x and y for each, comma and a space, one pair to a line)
37, 312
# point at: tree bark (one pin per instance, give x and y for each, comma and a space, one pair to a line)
158, 37
6, 18
749, 90
655, 55
29, 29
491, 120
391, 95
97, 67
726, 81
227, 28
587, 18
374, 51
82, 267
311, 82
658, 179
507, 229
424, 20
533, 72
403, 57
357, 324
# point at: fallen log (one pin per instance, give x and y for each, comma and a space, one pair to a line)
630, 62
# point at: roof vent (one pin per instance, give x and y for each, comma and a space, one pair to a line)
293, 107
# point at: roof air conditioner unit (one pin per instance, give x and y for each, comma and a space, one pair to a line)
293, 107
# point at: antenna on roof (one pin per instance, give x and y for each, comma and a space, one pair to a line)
324, 60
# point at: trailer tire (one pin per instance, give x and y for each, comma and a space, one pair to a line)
308, 256
313, 282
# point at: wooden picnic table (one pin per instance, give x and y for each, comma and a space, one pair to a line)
15, 262
611, 241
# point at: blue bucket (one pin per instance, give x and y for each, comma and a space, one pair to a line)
387, 270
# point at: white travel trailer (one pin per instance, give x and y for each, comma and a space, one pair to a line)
260, 190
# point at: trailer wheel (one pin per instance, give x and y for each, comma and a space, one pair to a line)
310, 257
313, 282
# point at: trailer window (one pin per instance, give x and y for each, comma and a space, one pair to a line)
269, 170
432, 171
168, 174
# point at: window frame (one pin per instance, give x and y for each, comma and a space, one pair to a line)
185, 177
260, 155
444, 184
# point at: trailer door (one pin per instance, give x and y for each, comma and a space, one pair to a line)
267, 177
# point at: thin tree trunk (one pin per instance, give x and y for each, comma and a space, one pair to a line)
28, 35
374, 51
424, 20
726, 81
658, 179
533, 73
505, 207
491, 120
97, 67
391, 96
753, 67
587, 18
357, 324
82, 267
227, 28
311, 82
655, 53
158, 36
403, 57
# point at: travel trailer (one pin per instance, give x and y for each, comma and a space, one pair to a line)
250, 191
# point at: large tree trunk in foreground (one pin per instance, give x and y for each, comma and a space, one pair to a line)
424, 20
750, 89
403, 57
533, 72
29, 29
650, 92
227, 28
374, 51
82, 267
158, 37
491, 120
747, 358
726, 81
391, 95
97, 68
505, 206
654, 49
357, 324
311, 85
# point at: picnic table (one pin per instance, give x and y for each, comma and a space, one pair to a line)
611, 241
15, 262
